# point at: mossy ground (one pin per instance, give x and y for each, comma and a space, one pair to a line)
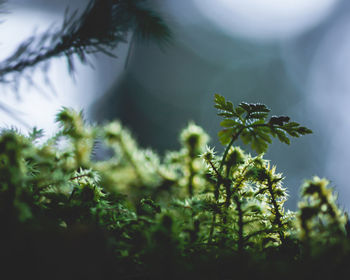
192, 214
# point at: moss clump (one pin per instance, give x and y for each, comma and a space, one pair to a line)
193, 214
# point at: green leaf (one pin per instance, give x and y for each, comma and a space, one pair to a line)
258, 107
264, 136
274, 120
254, 107
219, 100
228, 123
221, 104
239, 111
225, 114
304, 130
246, 137
258, 115
291, 125
259, 122
282, 136
259, 145
245, 106
225, 136
249, 121
292, 133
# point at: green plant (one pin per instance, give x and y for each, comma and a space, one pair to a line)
190, 215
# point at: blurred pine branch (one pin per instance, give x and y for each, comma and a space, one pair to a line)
101, 27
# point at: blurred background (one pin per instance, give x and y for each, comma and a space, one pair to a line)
292, 55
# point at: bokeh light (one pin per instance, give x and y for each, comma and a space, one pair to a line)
266, 19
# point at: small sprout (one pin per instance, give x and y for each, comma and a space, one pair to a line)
316, 186
208, 155
71, 122
36, 134
235, 156
155, 207
259, 161
194, 139
112, 131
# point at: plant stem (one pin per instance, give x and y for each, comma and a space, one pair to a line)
78, 177
190, 178
211, 233
220, 179
227, 185
240, 224
278, 215
130, 159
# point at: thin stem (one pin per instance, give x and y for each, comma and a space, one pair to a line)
220, 179
78, 177
278, 215
212, 228
130, 159
240, 224
234, 138
214, 168
227, 185
71, 195
306, 237
190, 178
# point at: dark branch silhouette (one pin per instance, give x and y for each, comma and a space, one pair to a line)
99, 28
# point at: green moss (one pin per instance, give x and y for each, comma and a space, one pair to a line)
193, 214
